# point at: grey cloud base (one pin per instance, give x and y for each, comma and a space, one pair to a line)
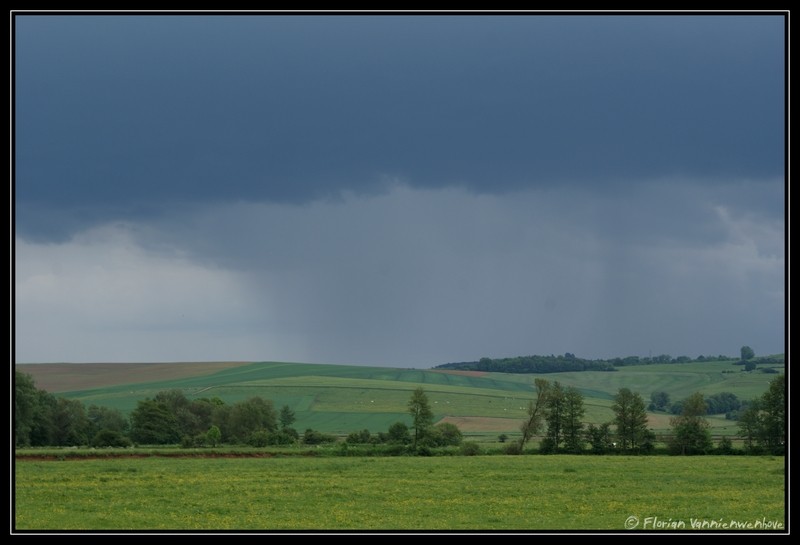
410, 278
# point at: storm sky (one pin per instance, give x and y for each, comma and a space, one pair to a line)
397, 190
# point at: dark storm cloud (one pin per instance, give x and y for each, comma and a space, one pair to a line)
124, 117
403, 190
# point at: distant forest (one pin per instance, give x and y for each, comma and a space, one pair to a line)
570, 362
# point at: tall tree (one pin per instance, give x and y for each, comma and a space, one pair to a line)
599, 437
747, 353
555, 408
763, 422
572, 423
26, 404
536, 412
630, 417
192, 417
106, 418
659, 400
286, 417
70, 424
774, 420
421, 414
398, 433
751, 424
33, 413
197, 417
152, 423
251, 415
43, 430
174, 399
690, 434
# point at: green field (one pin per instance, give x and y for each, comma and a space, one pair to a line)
414, 493
340, 398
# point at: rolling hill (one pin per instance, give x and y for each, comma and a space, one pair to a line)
340, 398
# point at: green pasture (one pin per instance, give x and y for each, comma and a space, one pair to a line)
534, 493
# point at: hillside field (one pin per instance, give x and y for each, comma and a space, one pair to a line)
340, 398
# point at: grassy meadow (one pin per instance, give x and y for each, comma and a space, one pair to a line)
408, 493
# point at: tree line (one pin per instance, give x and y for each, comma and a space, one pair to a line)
726, 403
556, 413
43, 419
570, 362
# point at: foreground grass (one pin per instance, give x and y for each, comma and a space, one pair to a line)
462, 493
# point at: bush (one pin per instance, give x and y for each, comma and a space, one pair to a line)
314, 437
282, 437
502, 437
199, 440
548, 446
109, 438
398, 433
470, 448
213, 436
778, 450
259, 439
394, 449
448, 435
725, 446
359, 437
513, 448
648, 442
599, 437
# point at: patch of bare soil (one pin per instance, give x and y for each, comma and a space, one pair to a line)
67, 377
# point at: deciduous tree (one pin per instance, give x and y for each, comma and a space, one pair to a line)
690, 433
398, 433
659, 400
555, 409
630, 418
252, 415
287, 417
152, 423
572, 423
421, 414
599, 437
536, 412
774, 403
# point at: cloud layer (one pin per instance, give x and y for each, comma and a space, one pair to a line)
127, 117
411, 278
